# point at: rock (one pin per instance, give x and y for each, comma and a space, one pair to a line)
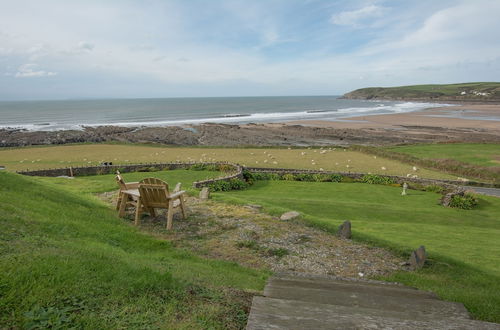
289, 215
204, 193
446, 200
345, 230
417, 258
254, 207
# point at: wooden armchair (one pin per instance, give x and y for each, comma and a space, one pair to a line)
124, 186
154, 193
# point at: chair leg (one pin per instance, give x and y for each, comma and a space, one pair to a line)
123, 204
138, 211
118, 201
152, 212
170, 214
183, 208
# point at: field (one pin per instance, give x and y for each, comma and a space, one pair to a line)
432, 92
463, 245
471, 153
337, 159
67, 260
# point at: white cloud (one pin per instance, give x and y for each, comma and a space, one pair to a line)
358, 17
29, 70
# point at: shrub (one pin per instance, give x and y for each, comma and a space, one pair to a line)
197, 167
232, 184
266, 176
278, 252
288, 177
336, 178
434, 188
304, 177
465, 202
225, 168
248, 177
376, 179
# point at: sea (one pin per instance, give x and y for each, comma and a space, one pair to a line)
77, 114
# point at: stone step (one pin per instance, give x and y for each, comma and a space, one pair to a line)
368, 299
351, 286
272, 313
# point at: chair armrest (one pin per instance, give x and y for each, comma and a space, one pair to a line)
177, 194
132, 185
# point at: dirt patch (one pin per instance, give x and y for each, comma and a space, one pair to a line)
245, 235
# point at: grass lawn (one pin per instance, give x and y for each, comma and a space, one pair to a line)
93, 154
463, 245
103, 183
67, 260
473, 153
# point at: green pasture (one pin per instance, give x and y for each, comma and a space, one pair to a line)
481, 154
463, 245
333, 159
68, 261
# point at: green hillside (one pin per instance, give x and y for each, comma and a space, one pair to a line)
68, 261
477, 91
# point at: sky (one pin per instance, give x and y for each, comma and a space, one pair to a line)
56, 49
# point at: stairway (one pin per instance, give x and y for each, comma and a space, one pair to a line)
297, 301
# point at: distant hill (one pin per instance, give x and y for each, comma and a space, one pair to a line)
477, 91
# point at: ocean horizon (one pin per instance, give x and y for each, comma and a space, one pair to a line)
76, 114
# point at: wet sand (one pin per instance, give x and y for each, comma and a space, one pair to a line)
484, 117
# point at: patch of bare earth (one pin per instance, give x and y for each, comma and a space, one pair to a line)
251, 238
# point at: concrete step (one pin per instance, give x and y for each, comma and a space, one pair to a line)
359, 297
351, 286
272, 313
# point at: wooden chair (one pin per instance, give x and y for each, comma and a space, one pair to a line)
154, 194
124, 186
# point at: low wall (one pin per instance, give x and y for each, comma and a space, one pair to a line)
448, 184
236, 171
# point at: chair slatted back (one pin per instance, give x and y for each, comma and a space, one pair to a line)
120, 181
154, 192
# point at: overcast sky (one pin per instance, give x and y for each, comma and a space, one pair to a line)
53, 49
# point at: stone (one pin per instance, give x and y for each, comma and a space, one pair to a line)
204, 193
417, 258
289, 215
255, 207
345, 230
446, 200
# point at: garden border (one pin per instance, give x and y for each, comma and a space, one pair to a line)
236, 174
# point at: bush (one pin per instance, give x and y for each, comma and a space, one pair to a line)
304, 177
336, 178
376, 179
266, 176
288, 177
232, 184
248, 177
205, 167
465, 202
434, 188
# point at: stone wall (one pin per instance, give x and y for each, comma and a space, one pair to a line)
149, 167
447, 184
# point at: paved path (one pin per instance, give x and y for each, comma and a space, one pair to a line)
315, 302
485, 191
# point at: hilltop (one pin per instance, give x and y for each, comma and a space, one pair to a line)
475, 92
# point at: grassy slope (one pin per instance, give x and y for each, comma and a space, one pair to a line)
68, 258
463, 245
75, 155
473, 153
446, 91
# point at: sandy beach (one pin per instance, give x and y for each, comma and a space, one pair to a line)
465, 123
484, 117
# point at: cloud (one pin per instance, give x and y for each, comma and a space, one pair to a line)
85, 46
28, 71
358, 17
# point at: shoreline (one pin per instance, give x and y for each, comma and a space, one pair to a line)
461, 123
476, 116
